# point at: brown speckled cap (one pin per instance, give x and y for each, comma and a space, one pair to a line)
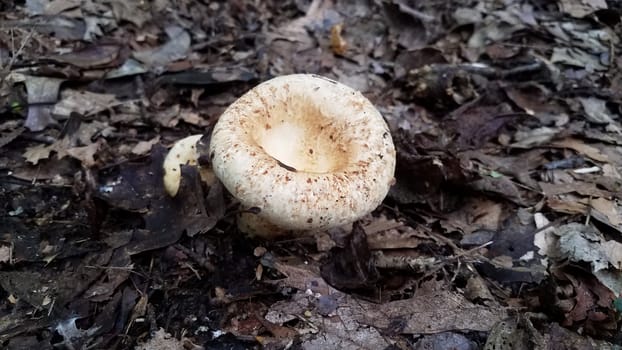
309, 152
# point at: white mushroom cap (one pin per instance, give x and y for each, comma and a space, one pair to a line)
183, 152
309, 152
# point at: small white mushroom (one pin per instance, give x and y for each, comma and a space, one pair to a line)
308, 152
183, 152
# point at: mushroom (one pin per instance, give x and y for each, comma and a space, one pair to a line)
183, 152
305, 153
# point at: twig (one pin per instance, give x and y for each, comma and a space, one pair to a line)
417, 14
4, 72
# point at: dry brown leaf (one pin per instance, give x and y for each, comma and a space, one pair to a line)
581, 148
476, 214
477, 288
569, 204
85, 154
609, 209
143, 147
193, 118
132, 11
302, 277
582, 8
429, 312
83, 102
383, 233
534, 99
35, 153
582, 188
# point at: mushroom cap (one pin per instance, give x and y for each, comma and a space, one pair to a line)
183, 152
309, 152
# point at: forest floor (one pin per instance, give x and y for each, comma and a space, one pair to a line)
503, 229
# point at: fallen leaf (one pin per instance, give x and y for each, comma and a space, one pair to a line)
86, 154
348, 267
569, 204
609, 209
578, 242
556, 336
94, 56
193, 118
613, 250
128, 68
429, 312
138, 187
478, 125
584, 301
59, 27
545, 239
161, 340
133, 12
580, 187
596, 111
390, 234
535, 137
405, 25
342, 330
143, 147
445, 340
582, 8
534, 99
503, 186
477, 213
5, 254
513, 333
581, 148
85, 103
578, 58
174, 49
36, 153
56, 7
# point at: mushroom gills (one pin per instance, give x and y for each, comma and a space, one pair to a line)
310, 143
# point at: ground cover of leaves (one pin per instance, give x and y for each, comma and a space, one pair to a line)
503, 229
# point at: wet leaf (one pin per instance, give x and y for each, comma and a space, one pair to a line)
139, 187
349, 267
96, 56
